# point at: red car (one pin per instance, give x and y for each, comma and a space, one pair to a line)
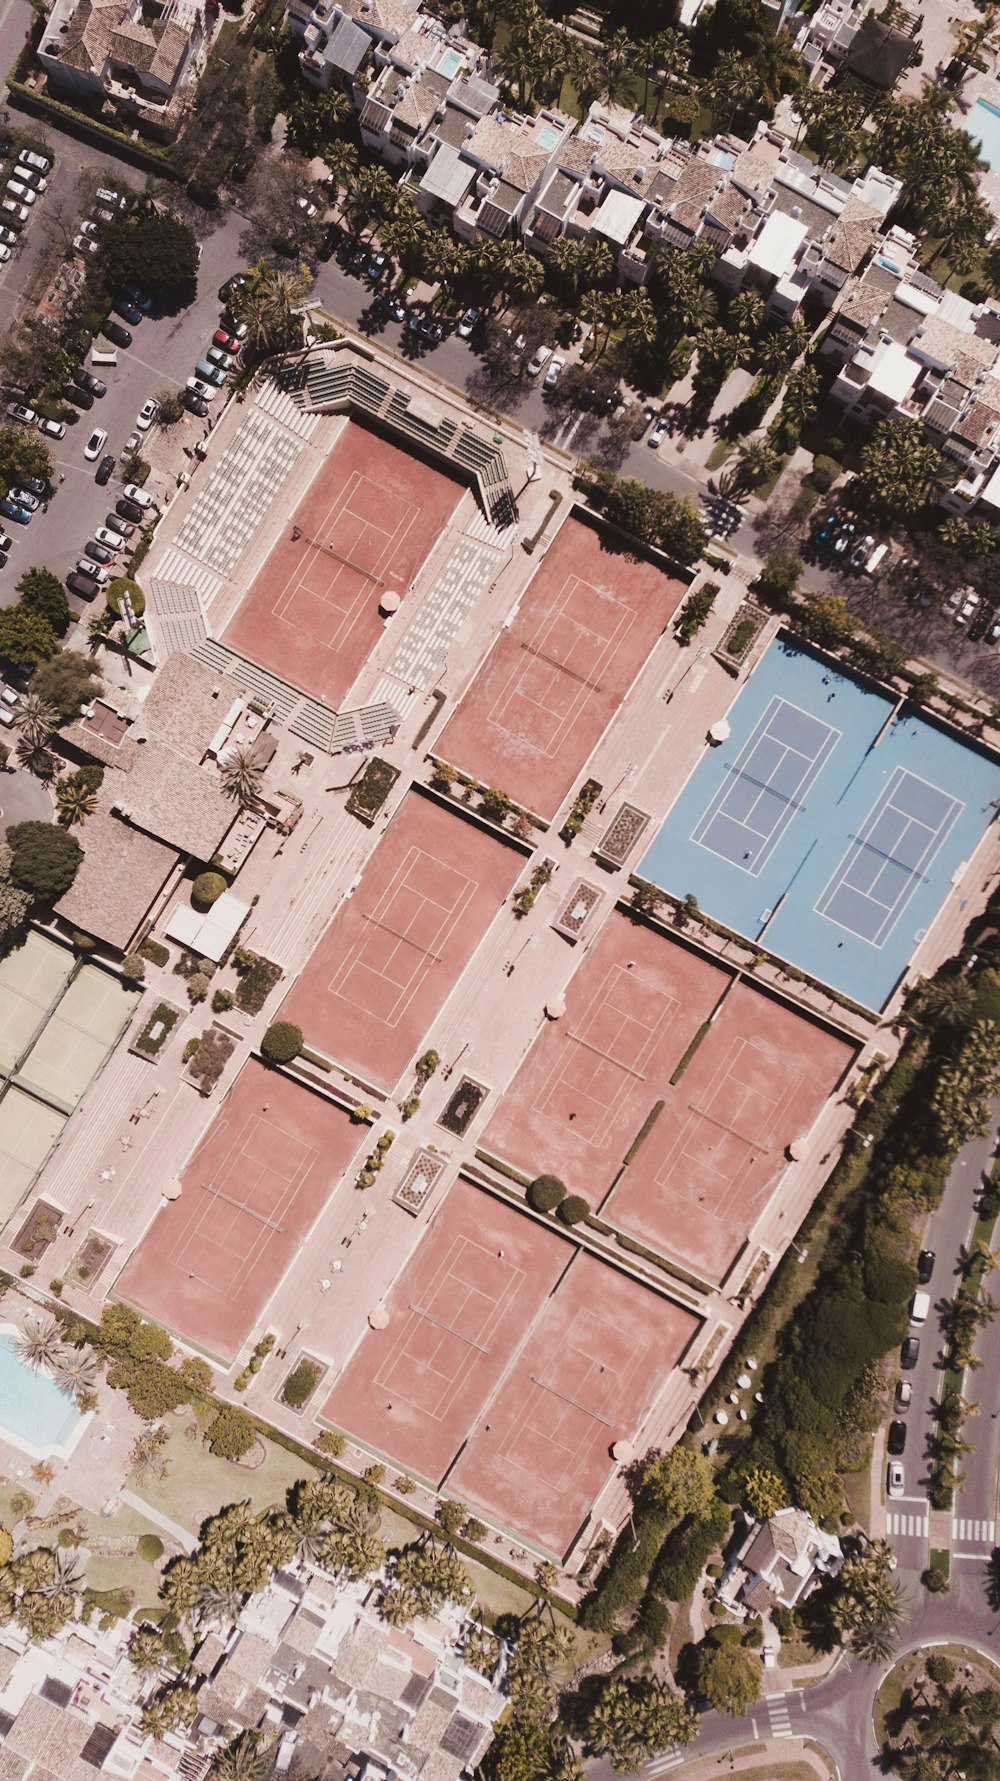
228, 342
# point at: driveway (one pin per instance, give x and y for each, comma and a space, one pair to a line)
23, 798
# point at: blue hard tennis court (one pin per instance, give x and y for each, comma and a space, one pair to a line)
823, 828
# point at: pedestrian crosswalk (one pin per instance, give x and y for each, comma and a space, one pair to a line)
662, 1763
966, 1528
777, 1712
901, 1522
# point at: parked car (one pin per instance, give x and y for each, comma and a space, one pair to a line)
895, 1479
84, 585
896, 1442
237, 281
99, 552
909, 1353
5, 540
392, 308
658, 433
377, 266
17, 213
24, 194
9, 237
111, 539
84, 245
307, 207
325, 251
114, 332
147, 414
96, 571
843, 539
24, 498
136, 295
227, 341
18, 412
14, 510
129, 312
108, 195
100, 215
51, 429
540, 358
209, 373
195, 404
29, 176
87, 381
993, 634
38, 485
105, 470
861, 552
968, 608
904, 1395
79, 398
426, 329
29, 158
554, 372
226, 361
4, 252
134, 493
469, 323
925, 1265
236, 328
131, 511
122, 528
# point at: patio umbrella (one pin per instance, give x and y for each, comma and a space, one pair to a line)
172, 1190
555, 1008
379, 1318
719, 731
796, 1149
390, 601
623, 1452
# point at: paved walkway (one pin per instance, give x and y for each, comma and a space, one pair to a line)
181, 1534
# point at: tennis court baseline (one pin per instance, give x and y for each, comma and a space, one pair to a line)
890, 856
766, 786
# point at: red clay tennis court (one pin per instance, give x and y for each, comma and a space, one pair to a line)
715, 1152
394, 951
211, 1260
587, 1375
365, 526
552, 682
715, 1155
475, 1284
591, 1078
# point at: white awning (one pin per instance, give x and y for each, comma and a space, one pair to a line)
208, 934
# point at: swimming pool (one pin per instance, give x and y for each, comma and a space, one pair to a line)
35, 1413
821, 828
548, 136
450, 64
984, 127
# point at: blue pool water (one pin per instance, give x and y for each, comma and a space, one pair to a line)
984, 127
548, 136
450, 63
800, 825
32, 1406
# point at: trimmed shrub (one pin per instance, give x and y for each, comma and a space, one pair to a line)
232, 1434
150, 1548
687, 1551
333, 1444
573, 1209
222, 1000
133, 967
824, 473
206, 889
546, 1193
301, 1383
282, 1042
155, 953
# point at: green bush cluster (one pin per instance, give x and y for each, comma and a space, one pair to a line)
524, 899
232, 1434
150, 1548
623, 1580
573, 1209
258, 978
301, 1383
686, 1552
206, 889
375, 1160
695, 612
546, 1193
155, 952
282, 1042
260, 1353
137, 1355
584, 802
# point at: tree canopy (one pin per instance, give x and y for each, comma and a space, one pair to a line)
43, 592
151, 245
44, 859
680, 1483
23, 454
730, 1678
67, 682
26, 638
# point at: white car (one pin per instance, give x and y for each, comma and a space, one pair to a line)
659, 432
24, 498
134, 493
22, 193
895, 1479
90, 229
147, 415
552, 374
107, 195
111, 540
84, 245
19, 213
535, 364
4, 252
28, 177
51, 429
41, 163
96, 571
96, 443
307, 205
198, 387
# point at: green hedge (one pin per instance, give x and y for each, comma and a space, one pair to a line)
116, 139
686, 1553
623, 1580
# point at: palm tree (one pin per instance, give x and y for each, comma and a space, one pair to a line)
756, 461
245, 1759
342, 161
67, 1574
76, 1370
75, 801
620, 55
665, 62
948, 1001
241, 774
36, 719
371, 198
39, 1342
732, 84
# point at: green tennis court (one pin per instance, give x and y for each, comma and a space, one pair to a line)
28, 1130
86, 1025
31, 978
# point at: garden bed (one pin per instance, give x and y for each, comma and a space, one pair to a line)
463, 1107
258, 977
420, 1176
738, 642
38, 1232
213, 1054
618, 840
90, 1260
302, 1383
157, 1030
372, 789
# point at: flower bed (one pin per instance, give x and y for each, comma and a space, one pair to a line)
463, 1106
90, 1260
258, 978
214, 1051
372, 789
622, 834
39, 1230
156, 1032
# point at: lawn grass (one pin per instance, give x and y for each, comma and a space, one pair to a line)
198, 1484
721, 450
858, 1491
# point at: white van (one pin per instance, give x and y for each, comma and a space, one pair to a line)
100, 355
920, 1308
876, 559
